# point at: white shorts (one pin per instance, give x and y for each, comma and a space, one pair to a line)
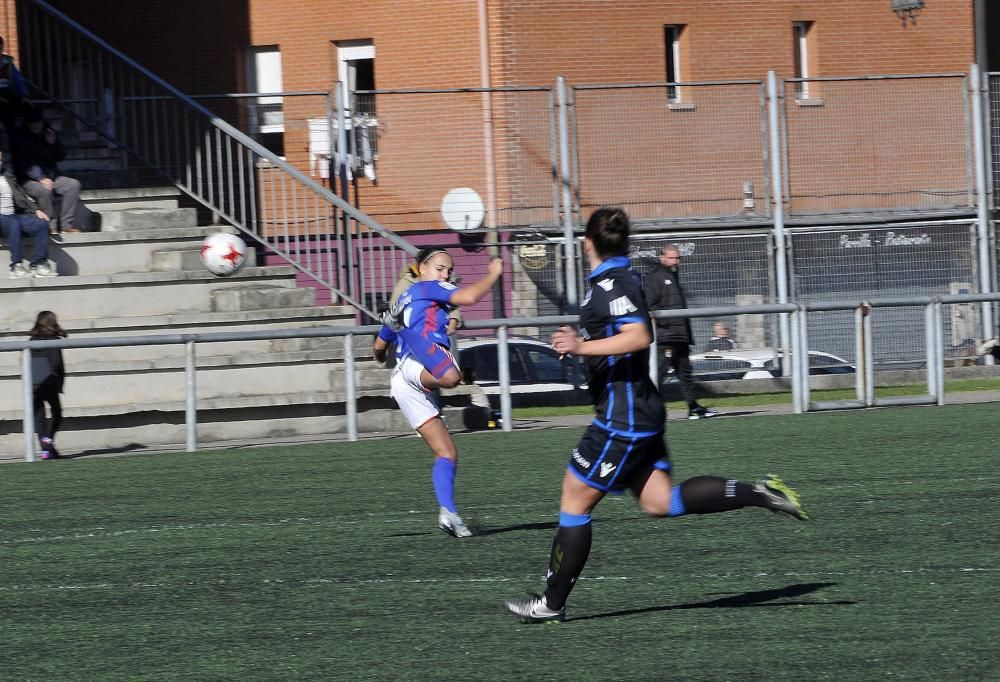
416, 404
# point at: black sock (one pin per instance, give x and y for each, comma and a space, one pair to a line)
710, 494
570, 550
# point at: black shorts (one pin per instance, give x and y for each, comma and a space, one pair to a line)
612, 460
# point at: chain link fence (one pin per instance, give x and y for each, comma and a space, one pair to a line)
877, 261
703, 156
878, 145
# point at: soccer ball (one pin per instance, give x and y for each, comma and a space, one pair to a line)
223, 253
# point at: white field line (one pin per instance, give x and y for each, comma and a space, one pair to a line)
362, 582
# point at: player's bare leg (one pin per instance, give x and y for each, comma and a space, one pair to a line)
439, 440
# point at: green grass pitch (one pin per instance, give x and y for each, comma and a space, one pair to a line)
324, 562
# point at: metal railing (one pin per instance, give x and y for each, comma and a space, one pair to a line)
799, 354
212, 161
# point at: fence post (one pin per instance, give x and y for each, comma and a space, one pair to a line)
778, 197
503, 366
568, 236
350, 388
341, 162
190, 397
982, 198
28, 390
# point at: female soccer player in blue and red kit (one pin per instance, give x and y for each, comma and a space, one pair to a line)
424, 363
624, 447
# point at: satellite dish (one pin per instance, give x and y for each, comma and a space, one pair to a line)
462, 209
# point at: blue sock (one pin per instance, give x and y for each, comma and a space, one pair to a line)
676, 503
443, 475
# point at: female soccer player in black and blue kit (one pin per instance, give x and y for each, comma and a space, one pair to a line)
624, 447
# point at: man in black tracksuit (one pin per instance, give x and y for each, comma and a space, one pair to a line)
673, 335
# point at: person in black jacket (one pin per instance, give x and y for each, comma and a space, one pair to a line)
37, 153
673, 335
48, 374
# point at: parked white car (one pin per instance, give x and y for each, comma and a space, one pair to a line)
759, 363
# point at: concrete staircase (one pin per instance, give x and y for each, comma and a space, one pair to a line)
140, 275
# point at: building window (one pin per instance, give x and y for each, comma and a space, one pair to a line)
802, 49
672, 34
267, 118
356, 69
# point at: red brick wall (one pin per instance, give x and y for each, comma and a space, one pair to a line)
431, 144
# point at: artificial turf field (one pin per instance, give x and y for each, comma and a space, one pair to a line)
324, 562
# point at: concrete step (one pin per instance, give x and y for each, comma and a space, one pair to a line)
105, 179
147, 219
101, 200
95, 382
204, 323
149, 293
88, 163
93, 152
98, 253
120, 428
261, 298
185, 259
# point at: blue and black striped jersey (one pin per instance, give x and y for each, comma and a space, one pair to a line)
625, 399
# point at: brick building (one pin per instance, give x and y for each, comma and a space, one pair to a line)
701, 144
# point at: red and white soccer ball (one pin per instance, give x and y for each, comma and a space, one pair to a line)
223, 253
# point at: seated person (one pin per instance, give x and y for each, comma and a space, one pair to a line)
20, 217
37, 153
721, 340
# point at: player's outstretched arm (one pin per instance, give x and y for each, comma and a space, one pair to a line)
380, 346
475, 291
631, 337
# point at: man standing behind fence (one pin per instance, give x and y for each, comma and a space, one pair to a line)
673, 335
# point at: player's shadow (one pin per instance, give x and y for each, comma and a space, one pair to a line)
545, 525
738, 601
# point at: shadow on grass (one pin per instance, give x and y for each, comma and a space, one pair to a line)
737, 601
547, 525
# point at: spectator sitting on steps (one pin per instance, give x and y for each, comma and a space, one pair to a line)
20, 217
37, 153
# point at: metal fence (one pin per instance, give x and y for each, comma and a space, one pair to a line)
352, 175
863, 332
214, 163
879, 144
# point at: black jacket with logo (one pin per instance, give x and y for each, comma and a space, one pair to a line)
664, 292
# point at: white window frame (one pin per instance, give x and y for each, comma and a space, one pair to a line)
267, 77
800, 32
352, 51
672, 38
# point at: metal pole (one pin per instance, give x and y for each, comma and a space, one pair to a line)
804, 360
982, 198
866, 333
793, 359
503, 365
341, 166
28, 389
350, 388
939, 349
567, 201
859, 353
778, 196
930, 335
190, 397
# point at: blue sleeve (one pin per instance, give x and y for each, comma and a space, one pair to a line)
441, 292
20, 87
386, 334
